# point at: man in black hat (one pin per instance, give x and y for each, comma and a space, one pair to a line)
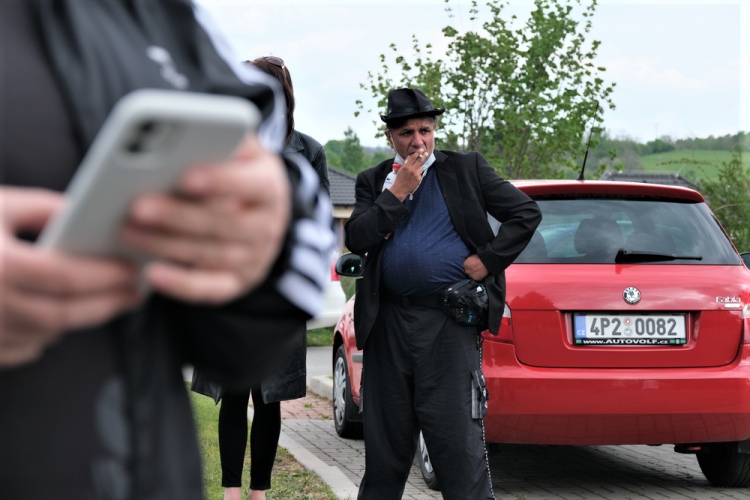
423, 231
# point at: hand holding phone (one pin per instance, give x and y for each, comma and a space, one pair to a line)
208, 235
219, 237
228, 219
43, 293
150, 138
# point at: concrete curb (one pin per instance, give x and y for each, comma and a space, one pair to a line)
322, 386
341, 485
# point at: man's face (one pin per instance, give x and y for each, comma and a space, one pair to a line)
417, 133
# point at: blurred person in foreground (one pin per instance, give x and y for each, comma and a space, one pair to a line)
424, 233
287, 382
92, 403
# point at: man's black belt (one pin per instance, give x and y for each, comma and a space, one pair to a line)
432, 301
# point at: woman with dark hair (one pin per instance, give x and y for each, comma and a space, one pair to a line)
296, 142
289, 382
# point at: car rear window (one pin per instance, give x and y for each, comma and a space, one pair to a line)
639, 230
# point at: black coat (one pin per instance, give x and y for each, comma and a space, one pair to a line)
289, 380
313, 152
471, 189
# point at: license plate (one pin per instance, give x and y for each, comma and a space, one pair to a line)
629, 329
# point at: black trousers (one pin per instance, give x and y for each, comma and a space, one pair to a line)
418, 366
264, 439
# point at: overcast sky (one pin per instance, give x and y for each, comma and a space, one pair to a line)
682, 68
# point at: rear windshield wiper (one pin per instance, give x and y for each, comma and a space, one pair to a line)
636, 256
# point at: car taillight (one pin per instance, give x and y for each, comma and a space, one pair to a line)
746, 324
506, 328
334, 276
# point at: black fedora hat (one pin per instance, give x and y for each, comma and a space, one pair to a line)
409, 103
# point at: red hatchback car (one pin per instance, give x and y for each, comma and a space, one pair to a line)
627, 322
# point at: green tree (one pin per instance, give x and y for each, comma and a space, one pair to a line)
729, 198
333, 149
627, 152
660, 146
728, 195
349, 154
353, 157
522, 97
722, 143
379, 156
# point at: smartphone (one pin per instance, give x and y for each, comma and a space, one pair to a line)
149, 139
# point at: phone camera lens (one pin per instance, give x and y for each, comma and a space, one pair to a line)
147, 127
142, 134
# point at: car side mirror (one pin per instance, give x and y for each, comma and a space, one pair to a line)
746, 259
350, 264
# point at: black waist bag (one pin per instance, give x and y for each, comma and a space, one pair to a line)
466, 302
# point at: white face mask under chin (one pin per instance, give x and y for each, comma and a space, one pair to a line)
425, 166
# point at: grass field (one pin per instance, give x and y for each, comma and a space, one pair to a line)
320, 337
693, 172
289, 479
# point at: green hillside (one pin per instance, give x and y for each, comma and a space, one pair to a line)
651, 163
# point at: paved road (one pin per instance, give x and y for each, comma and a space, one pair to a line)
596, 472
544, 472
526, 472
319, 437
531, 472
319, 362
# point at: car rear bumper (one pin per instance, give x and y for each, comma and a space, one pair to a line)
614, 406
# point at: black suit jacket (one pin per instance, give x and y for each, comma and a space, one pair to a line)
471, 189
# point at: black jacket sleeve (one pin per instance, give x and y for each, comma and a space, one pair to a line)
320, 165
376, 212
518, 214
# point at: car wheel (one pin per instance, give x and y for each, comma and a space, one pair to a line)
343, 404
428, 473
724, 466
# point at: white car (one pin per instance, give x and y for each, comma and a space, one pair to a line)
334, 301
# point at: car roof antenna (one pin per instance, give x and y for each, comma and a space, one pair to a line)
580, 176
